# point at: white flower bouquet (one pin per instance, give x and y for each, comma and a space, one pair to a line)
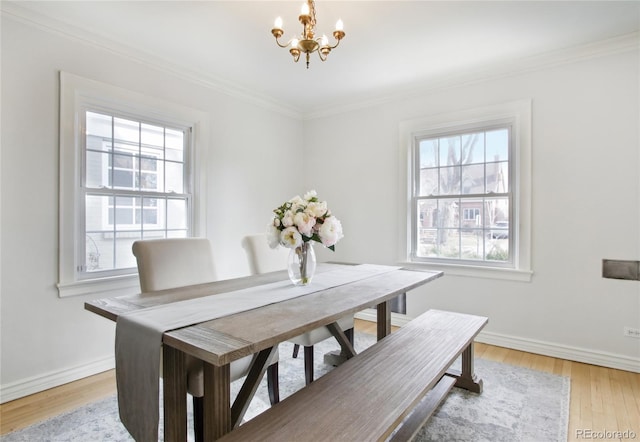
301, 220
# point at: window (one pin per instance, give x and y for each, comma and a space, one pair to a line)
461, 192
127, 172
468, 192
134, 187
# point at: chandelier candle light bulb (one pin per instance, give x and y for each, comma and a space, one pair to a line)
307, 42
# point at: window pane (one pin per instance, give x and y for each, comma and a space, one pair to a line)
95, 245
98, 125
126, 131
449, 151
174, 145
472, 242
471, 213
473, 148
152, 135
95, 207
123, 257
176, 213
450, 180
428, 182
122, 161
174, 177
148, 181
97, 169
123, 179
428, 153
154, 210
449, 243
497, 145
498, 177
427, 228
473, 179
496, 211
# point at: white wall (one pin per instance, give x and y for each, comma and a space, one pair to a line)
586, 204
46, 339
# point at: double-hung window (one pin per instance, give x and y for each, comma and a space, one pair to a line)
468, 191
127, 172
133, 186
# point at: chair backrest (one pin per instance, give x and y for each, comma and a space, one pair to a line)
262, 258
173, 262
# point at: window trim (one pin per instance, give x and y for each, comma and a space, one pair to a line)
519, 113
77, 94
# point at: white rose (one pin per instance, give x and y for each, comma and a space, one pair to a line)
330, 231
287, 219
310, 194
304, 222
297, 201
290, 238
317, 209
273, 236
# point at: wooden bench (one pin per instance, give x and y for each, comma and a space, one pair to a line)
394, 385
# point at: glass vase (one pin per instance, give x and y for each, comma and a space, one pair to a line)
302, 264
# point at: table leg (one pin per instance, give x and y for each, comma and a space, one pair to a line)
217, 401
347, 351
250, 385
174, 394
384, 319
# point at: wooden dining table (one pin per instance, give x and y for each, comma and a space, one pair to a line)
258, 331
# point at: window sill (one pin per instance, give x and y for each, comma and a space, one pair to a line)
474, 271
111, 286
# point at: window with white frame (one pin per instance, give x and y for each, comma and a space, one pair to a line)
134, 187
127, 172
469, 189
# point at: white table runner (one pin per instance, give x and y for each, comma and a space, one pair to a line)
139, 337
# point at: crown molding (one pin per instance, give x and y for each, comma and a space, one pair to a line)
621, 44
13, 10
612, 46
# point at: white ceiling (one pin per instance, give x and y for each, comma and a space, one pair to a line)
389, 45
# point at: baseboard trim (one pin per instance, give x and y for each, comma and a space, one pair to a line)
555, 350
36, 384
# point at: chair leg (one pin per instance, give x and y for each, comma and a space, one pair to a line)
198, 418
349, 334
308, 364
272, 383
296, 348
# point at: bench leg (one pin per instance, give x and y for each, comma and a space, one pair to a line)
467, 378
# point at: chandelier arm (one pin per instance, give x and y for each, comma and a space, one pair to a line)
321, 57
336, 45
281, 45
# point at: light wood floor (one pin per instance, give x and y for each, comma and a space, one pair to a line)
602, 399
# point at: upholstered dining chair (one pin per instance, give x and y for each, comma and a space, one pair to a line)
264, 259
176, 262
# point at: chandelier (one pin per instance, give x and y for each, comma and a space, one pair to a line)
307, 41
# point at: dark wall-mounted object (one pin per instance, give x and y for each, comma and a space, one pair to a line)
620, 269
